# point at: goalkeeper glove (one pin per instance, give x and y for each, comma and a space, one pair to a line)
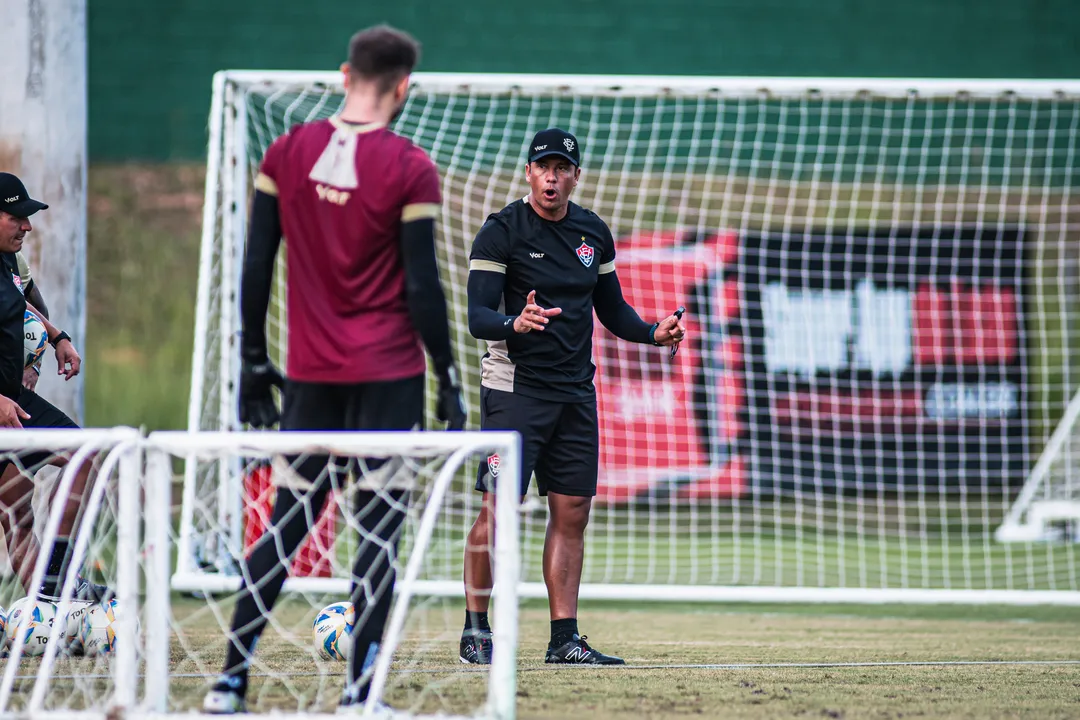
450, 406
257, 406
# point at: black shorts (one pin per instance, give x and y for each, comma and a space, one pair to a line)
43, 415
560, 442
389, 405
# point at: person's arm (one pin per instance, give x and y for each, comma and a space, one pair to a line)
424, 292
488, 259
255, 401
68, 362
485, 291
616, 314
33, 296
256, 282
30, 288
32, 373
11, 415
427, 310
422, 198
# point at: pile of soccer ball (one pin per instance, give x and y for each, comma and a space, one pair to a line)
87, 630
332, 630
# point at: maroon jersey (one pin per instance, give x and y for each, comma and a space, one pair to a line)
343, 192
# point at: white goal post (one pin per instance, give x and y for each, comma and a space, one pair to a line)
881, 292
1048, 507
430, 514
146, 652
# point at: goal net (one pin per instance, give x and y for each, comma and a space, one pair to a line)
880, 279
67, 651
144, 651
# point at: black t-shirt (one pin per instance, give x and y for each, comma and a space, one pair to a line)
561, 261
12, 311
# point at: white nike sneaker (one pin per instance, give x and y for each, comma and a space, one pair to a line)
223, 702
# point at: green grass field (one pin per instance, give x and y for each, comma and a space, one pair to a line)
143, 262
684, 660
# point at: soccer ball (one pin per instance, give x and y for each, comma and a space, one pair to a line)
34, 339
97, 633
332, 630
37, 618
75, 617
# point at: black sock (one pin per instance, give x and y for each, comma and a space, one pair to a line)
477, 621
563, 631
379, 518
54, 573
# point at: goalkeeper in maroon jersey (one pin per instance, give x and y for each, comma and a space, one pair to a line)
358, 206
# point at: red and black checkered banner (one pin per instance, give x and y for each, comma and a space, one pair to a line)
890, 359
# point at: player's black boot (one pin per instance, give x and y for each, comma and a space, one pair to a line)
475, 648
578, 652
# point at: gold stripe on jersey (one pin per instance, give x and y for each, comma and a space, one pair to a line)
487, 265
419, 211
607, 267
340, 124
266, 184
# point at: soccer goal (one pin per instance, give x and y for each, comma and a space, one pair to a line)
68, 657
880, 279
1048, 507
148, 652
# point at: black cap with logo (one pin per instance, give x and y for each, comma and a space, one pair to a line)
13, 197
555, 141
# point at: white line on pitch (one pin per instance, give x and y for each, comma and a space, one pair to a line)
704, 666
767, 666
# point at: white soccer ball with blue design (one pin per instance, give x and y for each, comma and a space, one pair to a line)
78, 611
97, 631
29, 622
35, 339
332, 630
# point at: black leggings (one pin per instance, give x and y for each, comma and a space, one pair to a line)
378, 518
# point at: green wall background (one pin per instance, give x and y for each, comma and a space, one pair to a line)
151, 63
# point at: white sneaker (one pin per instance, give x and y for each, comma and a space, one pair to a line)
381, 711
223, 702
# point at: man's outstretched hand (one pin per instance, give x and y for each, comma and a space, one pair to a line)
533, 317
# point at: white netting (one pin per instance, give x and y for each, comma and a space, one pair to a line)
386, 489
142, 649
62, 643
881, 285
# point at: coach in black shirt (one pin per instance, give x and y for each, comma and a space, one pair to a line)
537, 271
16, 207
22, 407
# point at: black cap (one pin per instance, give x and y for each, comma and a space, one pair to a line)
13, 197
555, 141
